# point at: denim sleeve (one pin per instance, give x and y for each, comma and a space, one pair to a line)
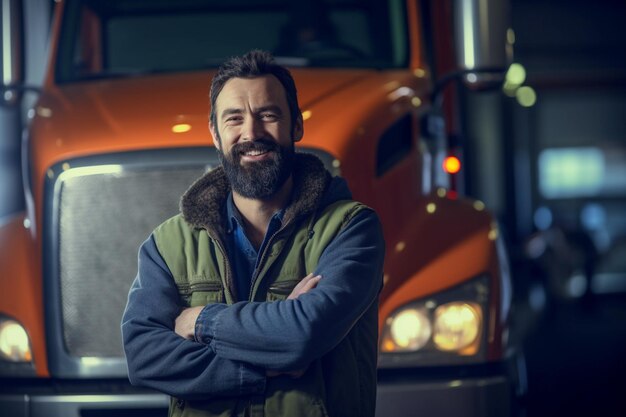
288, 335
160, 359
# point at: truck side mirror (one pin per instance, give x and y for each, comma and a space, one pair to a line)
433, 133
483, 38
11, 70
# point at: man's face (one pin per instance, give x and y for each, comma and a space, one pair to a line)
253, 135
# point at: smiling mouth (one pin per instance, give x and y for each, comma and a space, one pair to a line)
255, 152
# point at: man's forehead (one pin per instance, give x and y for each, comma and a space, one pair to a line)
265, 87
255, 91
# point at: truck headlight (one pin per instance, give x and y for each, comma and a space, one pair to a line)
409, 329
457, 326
14, 342
444, 329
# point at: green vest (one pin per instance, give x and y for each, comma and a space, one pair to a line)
342, 383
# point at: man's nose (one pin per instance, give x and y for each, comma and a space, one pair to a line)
252, 129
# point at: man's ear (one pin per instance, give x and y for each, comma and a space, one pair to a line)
215, 135
298, 129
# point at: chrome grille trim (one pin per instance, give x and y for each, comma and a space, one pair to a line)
98, 211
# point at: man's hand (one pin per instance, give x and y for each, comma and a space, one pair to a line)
186, 322
307, 284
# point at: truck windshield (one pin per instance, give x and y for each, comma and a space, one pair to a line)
101, 39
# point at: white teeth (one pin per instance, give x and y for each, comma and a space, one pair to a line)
254, 153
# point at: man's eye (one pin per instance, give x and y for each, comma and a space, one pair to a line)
269, 116
233, 119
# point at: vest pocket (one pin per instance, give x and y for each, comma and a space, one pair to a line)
280, 290
201, 293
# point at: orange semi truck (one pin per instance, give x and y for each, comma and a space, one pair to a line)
119, 130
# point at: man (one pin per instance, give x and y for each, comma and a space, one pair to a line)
260, 298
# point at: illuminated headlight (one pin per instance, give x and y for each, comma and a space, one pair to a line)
409, 330
457, 326
446, 328
14, 342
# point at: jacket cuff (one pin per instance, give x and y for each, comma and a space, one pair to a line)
205, 323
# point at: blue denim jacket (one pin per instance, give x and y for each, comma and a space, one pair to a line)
226, 359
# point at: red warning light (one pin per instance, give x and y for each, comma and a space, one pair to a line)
451, 165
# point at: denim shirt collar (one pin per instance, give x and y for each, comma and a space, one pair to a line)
235, 219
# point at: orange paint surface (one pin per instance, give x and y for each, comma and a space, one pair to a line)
21, 286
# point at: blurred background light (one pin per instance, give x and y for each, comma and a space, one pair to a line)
526, 96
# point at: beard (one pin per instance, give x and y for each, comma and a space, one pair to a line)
261, 179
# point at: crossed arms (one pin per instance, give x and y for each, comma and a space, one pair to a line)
234, 348
185, 325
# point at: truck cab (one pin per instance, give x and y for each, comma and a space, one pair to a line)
119, 131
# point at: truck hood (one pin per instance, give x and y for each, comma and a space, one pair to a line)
150, 111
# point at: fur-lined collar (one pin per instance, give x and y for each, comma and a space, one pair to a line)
202, 205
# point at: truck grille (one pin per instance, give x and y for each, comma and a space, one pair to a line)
103, 214
97, 212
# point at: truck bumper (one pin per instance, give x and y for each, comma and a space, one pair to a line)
119, 405
464, 397
402, 394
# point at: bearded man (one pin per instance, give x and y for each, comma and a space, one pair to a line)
260, 298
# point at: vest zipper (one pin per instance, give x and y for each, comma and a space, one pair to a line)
255, 275
227, 279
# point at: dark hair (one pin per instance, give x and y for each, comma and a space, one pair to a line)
255, 64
